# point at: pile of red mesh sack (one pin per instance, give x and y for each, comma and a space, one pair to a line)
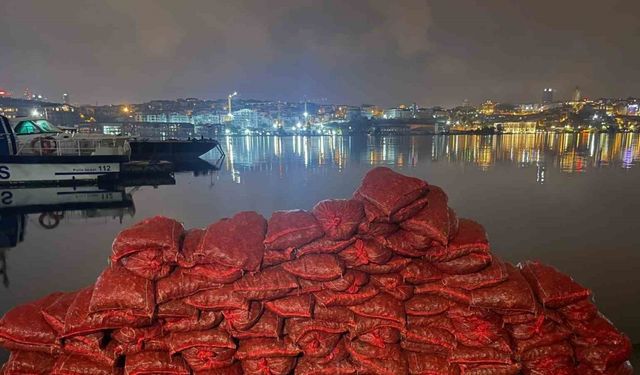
388, 282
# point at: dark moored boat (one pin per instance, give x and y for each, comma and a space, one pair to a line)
171, 150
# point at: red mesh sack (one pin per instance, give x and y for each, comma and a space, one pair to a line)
176, 309
235, 242
381, 336
430, 336
180, 284
454, 223
477, 328
187, 257
297, 306
352, 280
395, 264
514, 294
256, 348
268, 284
494, 274
137, 337
212, 338
367, 228
291, 229
490, 369
119, 289
426, 305
382, 306
271, 366
405, 243
419, 347
465, 264
560, 349
333, 314
601, 357
215, 273
151, 362
224, 298
388, 360
148, 264
79, 321
69, 364
433, 219
243, 320
157, 233
296, 328
454, 294
331, 298
438, 321
269, 325
311, 366
581, 310
548, 333
429, 364
363, 325
158, 237
90, 346
208, 358
598, 330
365, 251
339, 218
553, 288
317, 343
32, 363
421, 271
24, 328
409, 210
389, 191
234, 369
54, 314
275, 257
551, 365
471, 238
204, 320
479, 355
620, 369
393, 284
322, 246
317, 267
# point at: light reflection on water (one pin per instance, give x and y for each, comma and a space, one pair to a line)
569, 153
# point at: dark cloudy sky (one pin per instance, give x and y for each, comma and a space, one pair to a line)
348, 51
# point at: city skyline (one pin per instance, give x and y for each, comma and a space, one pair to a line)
349, 53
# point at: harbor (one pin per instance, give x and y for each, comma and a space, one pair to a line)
33, 151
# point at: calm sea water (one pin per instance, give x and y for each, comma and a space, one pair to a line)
569, 200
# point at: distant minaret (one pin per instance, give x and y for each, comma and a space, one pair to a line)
65, 98
577, 95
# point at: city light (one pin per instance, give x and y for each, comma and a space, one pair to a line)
35, 113
298, 125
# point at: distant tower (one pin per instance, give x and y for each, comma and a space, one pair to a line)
65, 98
27, 94
577, 95
547, 96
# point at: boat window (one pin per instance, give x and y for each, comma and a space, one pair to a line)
47, 127
27, 127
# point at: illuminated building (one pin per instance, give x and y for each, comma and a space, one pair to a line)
4, 93
517, 126
397, 113
547, 96
245, 118
488, 108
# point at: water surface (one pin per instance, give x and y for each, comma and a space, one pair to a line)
569, 200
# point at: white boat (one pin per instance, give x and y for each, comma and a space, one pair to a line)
34, 151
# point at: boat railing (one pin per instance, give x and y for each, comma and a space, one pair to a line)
57, 146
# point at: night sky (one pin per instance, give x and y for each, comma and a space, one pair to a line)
347, 51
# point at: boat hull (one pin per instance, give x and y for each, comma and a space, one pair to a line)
170, 150
17, 172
